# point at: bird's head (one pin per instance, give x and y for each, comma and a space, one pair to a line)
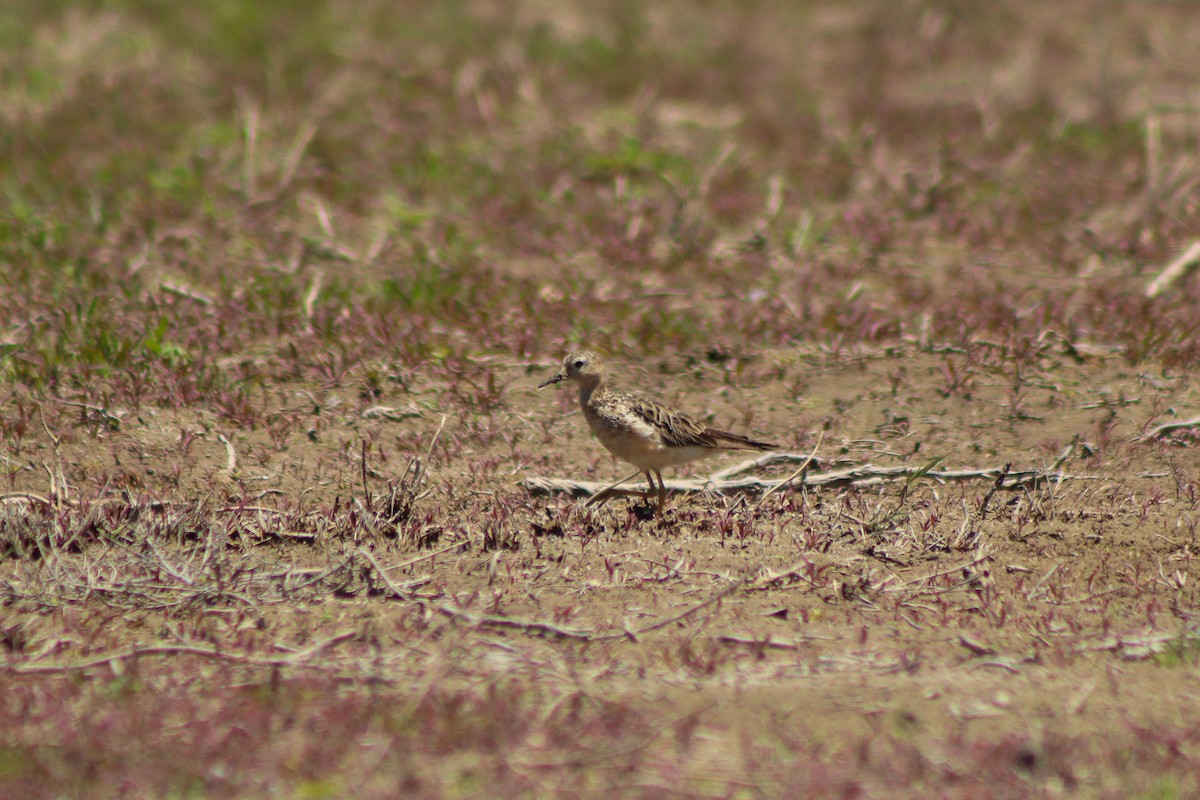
582, 366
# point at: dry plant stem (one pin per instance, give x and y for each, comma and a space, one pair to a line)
803, 466
423, 465
539, 628
1169, 427
419, 559
230, 454
436, 435
370, 559
310, 297
941, 573
24, 497
765, 460
978, 648
526, 626
798, 569
767, 643
363, 468
854, 476
295, 660
987, 498
407, 491
291, 165
1180, 267
100, 412
610, 491
716, 598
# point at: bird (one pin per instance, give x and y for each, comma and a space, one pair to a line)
644, 432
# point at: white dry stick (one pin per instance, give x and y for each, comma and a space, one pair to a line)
1168, 427
863, 476
310, 297
1177, 269
230, 454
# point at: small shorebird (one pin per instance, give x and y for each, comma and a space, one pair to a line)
643, 432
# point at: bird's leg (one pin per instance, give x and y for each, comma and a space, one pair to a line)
659, 491
662, 491
612, 491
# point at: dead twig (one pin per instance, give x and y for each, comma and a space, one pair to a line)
987, 498
310, 297
540, 628
976, 647
716, 598
611, 490
230, 454
1179, 268
392, 587
1036, 589
766, 643
925, 578
863, 476
366, 488
1170, 427
797, 570
1138, 647
525, 626
403, 496
803, 466
765, 460
295, 660
24, 497
419, 559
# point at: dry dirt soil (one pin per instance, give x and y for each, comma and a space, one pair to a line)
285, 515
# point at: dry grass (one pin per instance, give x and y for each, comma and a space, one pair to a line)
280, 278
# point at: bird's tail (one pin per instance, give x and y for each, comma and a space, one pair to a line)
735, 441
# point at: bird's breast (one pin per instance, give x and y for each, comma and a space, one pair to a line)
631, 438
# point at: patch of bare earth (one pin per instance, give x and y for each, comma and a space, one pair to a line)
284, 514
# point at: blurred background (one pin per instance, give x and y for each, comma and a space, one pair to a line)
696, 175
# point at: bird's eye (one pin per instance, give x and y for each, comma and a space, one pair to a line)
579, 364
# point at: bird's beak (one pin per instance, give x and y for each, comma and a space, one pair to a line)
559, 377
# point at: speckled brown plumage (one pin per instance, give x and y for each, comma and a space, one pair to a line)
646, 433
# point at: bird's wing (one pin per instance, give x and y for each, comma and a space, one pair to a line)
676, 428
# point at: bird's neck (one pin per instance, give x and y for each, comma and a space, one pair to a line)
586, 389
